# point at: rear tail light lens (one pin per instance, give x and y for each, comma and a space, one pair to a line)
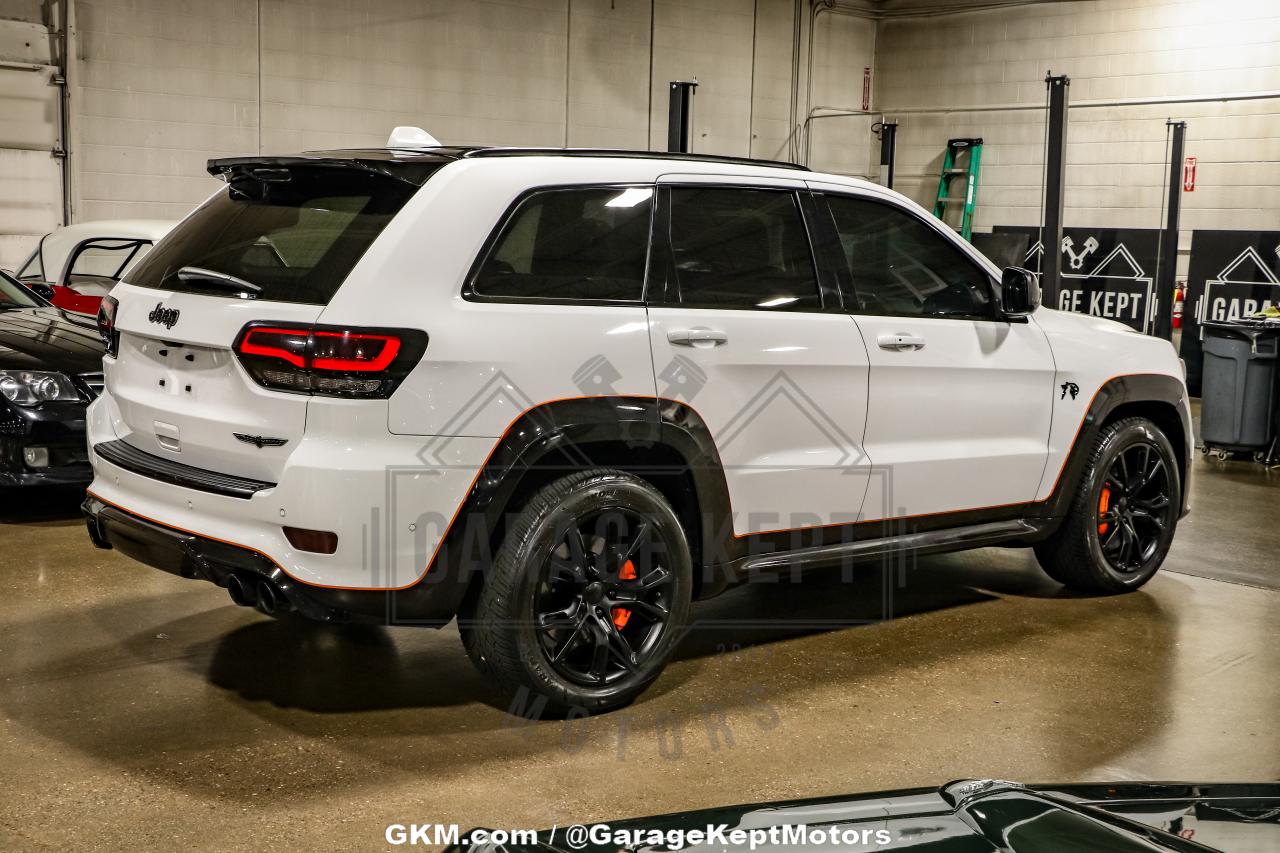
329, 361
107, 323
354, 351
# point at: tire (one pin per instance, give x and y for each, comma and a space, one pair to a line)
1088, 552
544, 610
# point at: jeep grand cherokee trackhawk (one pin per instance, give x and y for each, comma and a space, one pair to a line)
560, 394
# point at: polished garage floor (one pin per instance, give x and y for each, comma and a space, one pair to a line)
138, 710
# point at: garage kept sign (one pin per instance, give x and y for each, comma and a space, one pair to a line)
1106, 272
1233, 274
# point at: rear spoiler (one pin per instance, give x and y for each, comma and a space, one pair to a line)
271, 169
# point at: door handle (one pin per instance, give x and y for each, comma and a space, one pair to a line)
700, 337
901, 342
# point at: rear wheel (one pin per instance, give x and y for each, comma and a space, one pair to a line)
1122, 520
586, 598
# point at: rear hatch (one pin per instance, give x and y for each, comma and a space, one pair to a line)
270, 250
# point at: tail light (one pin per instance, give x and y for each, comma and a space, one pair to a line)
107, 323
329, 361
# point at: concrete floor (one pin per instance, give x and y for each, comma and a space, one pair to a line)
141, 711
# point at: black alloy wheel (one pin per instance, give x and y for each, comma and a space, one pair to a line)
602, 604
1123, 515
586, 598
1134, 507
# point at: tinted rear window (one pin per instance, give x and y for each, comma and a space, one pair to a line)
742, 248
295, 236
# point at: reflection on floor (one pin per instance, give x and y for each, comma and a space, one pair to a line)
140, 710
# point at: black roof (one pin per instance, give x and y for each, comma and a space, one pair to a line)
416, 164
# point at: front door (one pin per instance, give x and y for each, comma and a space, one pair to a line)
960, 399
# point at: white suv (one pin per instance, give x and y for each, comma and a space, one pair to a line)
560, 394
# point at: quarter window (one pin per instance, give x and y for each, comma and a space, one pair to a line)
900, 266
741, 248
572, 244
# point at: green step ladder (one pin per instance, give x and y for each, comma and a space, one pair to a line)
970, 150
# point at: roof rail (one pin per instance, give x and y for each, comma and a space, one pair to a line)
621, 152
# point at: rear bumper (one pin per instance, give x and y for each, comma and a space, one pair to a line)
190, 555
346, 475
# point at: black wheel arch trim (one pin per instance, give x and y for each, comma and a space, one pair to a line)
565, 435
1130, 392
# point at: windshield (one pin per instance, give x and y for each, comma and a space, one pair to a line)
33, 267
294, 234
14, 295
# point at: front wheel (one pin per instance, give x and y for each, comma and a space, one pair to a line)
586, 599
1122, 519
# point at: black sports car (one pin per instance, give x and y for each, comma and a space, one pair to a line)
50, 369
976, 816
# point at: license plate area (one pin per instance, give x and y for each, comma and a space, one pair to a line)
177, 369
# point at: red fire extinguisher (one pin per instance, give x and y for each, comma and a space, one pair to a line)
1178, 294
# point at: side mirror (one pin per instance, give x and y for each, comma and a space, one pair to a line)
44, 291
1019, 292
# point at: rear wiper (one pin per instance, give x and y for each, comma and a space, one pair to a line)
219, 279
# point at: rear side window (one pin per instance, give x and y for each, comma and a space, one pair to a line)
292, 236
742, 248
587, 244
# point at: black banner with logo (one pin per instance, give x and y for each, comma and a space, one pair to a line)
1233, 274
1106, 272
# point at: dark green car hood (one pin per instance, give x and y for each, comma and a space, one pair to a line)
975, 816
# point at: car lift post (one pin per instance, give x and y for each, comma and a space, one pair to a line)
1054, 179
888, 151
1167, 265
678, 129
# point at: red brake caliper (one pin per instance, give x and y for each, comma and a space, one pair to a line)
622, 615
1104, 503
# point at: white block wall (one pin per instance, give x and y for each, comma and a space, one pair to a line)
1111, 49
166, 84
163, 85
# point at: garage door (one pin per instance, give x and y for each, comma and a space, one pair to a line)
31, 204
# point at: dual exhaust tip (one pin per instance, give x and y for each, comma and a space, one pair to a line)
249, 590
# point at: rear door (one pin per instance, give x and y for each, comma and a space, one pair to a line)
271, 248
960, 399
743, 331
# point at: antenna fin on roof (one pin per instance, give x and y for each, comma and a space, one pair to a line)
411, 137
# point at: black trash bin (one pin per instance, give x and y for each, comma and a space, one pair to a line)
1238, 393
